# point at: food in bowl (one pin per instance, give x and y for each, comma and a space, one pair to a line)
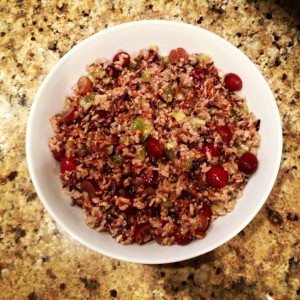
155, 147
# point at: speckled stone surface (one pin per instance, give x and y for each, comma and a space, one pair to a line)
39, 261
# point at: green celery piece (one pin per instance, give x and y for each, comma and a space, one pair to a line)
197, 123
140, 124
170, 145
179, 116
87, 101
141, 153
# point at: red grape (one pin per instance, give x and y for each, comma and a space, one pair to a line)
248, 163
111, 71
233, 82
176, 54
69, 117
217, 177
182, 53
122, 56
151, 178
84, 85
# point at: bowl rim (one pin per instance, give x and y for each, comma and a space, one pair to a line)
69, 230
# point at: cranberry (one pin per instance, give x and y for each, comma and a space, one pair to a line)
154, 148
129, 192
58, 154
225, 133
151, 178
248, 163
233, 82
217, 177
84, 85
112, 72
182, 239
122, 56
212, 149
67, 164
199, 73
100, 116
131, 210
206, 209
141, 231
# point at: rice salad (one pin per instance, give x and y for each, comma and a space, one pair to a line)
155, 147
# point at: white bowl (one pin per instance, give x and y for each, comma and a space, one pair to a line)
132, 37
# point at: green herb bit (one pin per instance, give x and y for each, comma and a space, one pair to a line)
168, 90
115, 160
166, 59
188, 164
170, 145
106, 80
108, 149
170, 154
142, 101
146, 76
168, 94
82, 152
167, 204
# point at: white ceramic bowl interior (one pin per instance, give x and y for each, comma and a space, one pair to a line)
132, 37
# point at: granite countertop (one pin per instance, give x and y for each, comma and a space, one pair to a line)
39, 261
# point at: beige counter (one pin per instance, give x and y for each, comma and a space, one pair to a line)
39, 261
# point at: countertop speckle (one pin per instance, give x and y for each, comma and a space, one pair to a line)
39, 261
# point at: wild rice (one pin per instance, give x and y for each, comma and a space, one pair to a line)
101, 140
